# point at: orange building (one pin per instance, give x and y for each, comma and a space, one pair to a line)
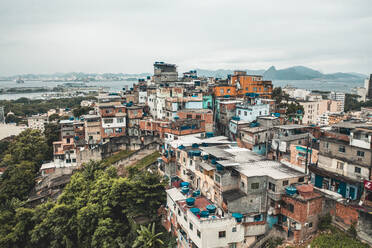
251, 84
223, 90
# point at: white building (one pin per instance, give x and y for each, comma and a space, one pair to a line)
338, 96
37, 122
142, 97
300, 94
250, 112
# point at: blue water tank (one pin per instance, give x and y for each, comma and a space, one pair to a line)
197, 153
185, 189
195, 210
190, 201
196, 193
185, 184
238, 216
181, 147
290, 190
209, 134
214, 161
205, 157
211, 209
204, 214
219, 167
195, 145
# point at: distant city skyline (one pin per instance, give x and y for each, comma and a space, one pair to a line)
44, 37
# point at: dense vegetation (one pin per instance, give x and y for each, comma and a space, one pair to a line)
26, 107
96, 209
336, 238
351, 103
282, 100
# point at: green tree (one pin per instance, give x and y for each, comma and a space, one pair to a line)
81, 111
277, 95
53, 117
148, 238
30, 145
17, 181
51, 133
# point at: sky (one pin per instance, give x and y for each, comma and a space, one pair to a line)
44, 36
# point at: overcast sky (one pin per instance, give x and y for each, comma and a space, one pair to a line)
46, 36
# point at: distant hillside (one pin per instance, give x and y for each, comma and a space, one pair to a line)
221, 73
291, 73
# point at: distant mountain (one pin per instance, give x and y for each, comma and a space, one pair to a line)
291, 73
221, 73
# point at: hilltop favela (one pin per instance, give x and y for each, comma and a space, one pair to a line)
165, 154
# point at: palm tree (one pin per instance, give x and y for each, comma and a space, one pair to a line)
147, 238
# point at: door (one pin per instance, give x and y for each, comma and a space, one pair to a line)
352, 193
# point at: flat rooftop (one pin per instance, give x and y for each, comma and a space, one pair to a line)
273, 169
289, 127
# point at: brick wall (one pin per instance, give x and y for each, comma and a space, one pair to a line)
345, 214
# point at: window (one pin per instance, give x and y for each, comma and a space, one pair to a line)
301, 179
340, 165
255, 185
189, 116
228, 90
179, 212
242, 185
285, 182
232, 245
233, 229
68, 140
120, 120
221, 91
272, 187
108, 121
198, 233
290, 207
310, 224
184, 217
239, 112
255, 89
191, 226
341, 148
222, 234
74, 160
217, 178
360, 153
358, 170
198, 117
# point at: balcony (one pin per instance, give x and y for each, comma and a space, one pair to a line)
276, 196
362, 143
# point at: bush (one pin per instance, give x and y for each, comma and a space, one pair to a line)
325, 222
352, 231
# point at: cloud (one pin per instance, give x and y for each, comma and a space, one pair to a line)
39, 36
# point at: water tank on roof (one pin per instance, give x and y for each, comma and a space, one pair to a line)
211, 209
195, 145
214, 161
238, 216
290, 190
185, 189
185, 184
219, 167
196, 193
195, 210
190, 201
209, 134
181, 147
204, 214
